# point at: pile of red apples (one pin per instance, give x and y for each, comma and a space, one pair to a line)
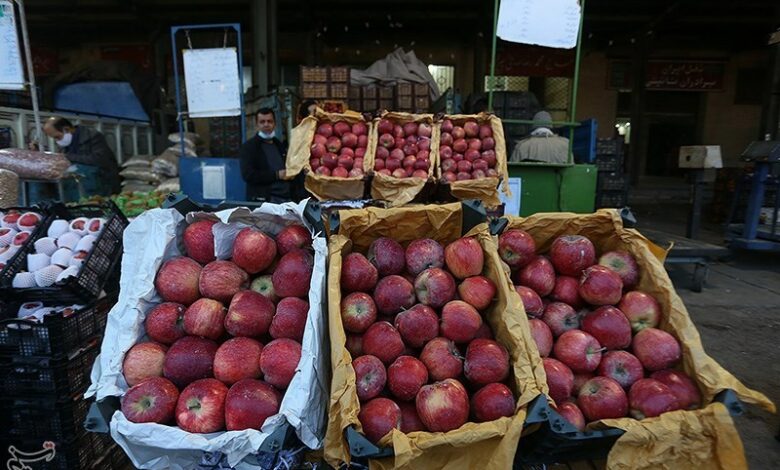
602, 350
339, 149
403, 150
225, 342
424, 356
466, 152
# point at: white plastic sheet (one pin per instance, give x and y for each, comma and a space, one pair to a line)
149, 240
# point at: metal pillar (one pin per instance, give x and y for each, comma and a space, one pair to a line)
760, 174
30, 74
260, 56
697, 197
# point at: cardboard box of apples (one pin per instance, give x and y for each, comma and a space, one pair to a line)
616, 344
216, 339
429, 360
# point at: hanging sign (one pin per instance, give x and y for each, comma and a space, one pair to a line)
11, 71
551, 23
212, 83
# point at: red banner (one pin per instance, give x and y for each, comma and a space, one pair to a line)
534, 61
670, 75
139, 55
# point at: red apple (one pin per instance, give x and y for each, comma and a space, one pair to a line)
688, 396
648, 398
164, 322
471, 129
143, 361
177, 280
383, 341
491, 402
609, 326
622, 366
442, 359
572, 413
464, 257
325, 130
486, 362
539, 275
560, 379
354, 345
478, 291
317, 151
324, 171
578, 350
463, 176
387, 255
448, 177
199, 241
201, 406
410, 421
600, 286
221, 280
253, 250
236, 359
434, 287
370, 377
602, 398
532, 303
291, 237
357, 273
566, 290
330, 161
189, 359
447, 126
405, 376
641, 309
459, 321
358, 312
249, 403
151, 401
542, 336
290, 319
249, 314
443, 406
579, 381
378, 417
560, 318
333, 145
340, 172
385, 126
624, 265
349, 140
356, 173
417, 325
205, 318
293, 274
516, 248
279, 360
570, 254
423, 254
393, 294
656, 349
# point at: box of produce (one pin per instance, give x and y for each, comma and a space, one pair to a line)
430, 366
472, 159
209, 305
335, 151
405, 157
623, 361
18, 227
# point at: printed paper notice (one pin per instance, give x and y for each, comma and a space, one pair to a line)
512, 203
214, 182
11, 72
212, 83
550, 23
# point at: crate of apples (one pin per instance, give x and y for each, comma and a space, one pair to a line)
339, 148
224, 343
404, 146
467, 149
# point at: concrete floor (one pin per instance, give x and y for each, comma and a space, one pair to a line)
738, 317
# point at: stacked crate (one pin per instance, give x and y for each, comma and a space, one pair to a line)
412, 97
520, 105
612, 183
368, 99
325, 83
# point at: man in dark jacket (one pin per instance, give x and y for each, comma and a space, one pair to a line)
263, 160
88, 149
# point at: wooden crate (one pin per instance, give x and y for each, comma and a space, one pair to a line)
314, 74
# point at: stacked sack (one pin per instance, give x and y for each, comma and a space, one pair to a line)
137, 174
15, 229
61, 253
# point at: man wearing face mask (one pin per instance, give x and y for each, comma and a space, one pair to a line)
89, 151
263, 160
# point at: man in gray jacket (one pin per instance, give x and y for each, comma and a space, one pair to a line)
542, 145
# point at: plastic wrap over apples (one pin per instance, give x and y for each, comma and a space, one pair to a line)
149, 241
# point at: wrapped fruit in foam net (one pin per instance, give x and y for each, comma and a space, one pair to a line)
47, 276
7, 235
46, 245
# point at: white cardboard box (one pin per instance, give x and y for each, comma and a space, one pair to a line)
700, 156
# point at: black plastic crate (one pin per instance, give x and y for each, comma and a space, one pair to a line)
97, 269
46, 218
612, 182
610, 163
79, 453
58, 335
612, 199
114, 459
43, 376
609, 147
27, 418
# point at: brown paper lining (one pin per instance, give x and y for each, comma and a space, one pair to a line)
484, 189
706, 436
489, 445
400, 191
299, 153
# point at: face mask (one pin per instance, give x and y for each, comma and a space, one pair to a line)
266, 136
66, 140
